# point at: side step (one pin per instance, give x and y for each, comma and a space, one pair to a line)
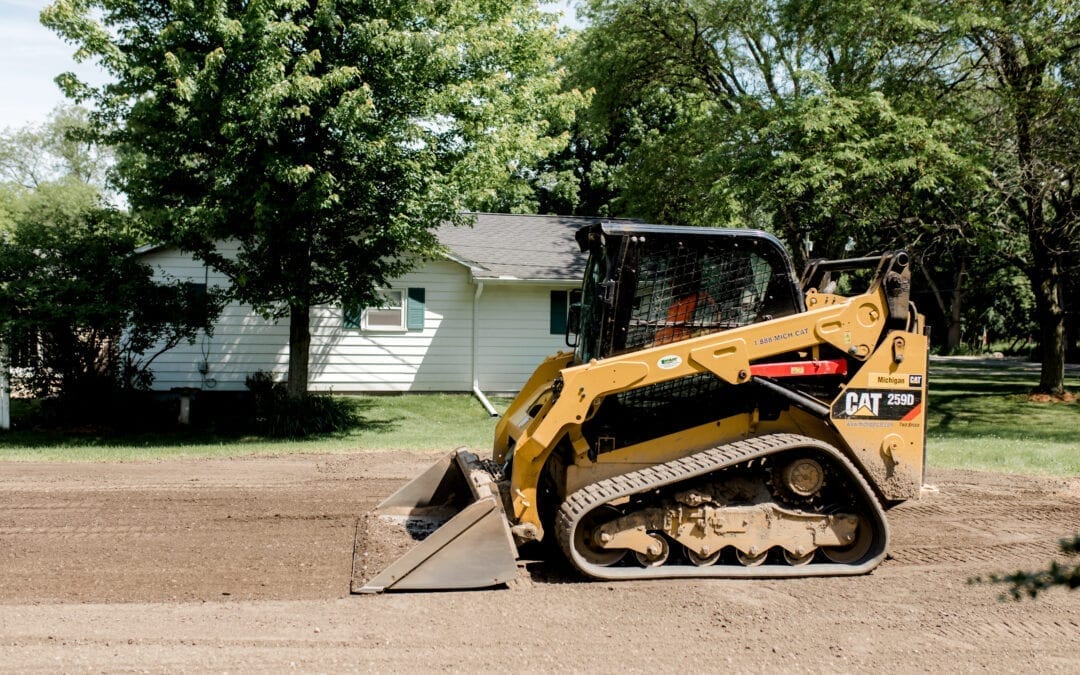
443, 530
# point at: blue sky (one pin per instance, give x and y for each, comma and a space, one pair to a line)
32, 56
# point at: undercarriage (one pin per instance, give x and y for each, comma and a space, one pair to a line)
776, 505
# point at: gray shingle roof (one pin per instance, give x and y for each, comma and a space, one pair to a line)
507, 247
518, 247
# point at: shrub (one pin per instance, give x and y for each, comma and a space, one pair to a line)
280, 415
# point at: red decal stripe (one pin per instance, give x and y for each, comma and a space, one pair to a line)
800, 368
912, 414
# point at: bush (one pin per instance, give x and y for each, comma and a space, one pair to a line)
278, 414
110, 412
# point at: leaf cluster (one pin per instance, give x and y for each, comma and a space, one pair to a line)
789, 115
53, 165
948, 129
59, 150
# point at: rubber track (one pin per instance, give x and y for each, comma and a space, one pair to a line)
699, 464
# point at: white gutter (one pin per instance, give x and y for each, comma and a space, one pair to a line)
518, 281
476, 352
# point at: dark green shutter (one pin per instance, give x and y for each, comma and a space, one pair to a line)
351, 316
414, 319
558, 312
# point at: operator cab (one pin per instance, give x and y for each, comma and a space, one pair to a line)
647, 285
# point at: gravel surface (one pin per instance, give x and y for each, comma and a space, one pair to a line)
244, 565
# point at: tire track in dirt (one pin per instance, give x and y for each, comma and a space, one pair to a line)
134, 566
216, 642
319, 485
77, 532
962, 555
1049, 511
1016, 629
963, 528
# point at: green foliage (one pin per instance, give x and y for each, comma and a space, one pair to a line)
278, 414
1017, 67
775, 114
328, 138
856, 167
59, 150
949, 129
83, 316
1030, 584
9, 207
51, 166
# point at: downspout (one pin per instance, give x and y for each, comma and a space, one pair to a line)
5, 391
476, 352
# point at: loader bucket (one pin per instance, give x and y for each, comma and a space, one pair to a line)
444, 529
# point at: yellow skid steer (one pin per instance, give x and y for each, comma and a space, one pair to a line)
716, 417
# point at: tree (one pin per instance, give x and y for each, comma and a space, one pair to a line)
84, 318
84, 314
1024, 64
58, 150
775, 113
52, 165
947, 128
326, 137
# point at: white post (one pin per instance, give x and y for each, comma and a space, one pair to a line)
5, 393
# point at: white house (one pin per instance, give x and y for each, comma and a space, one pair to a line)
479, 319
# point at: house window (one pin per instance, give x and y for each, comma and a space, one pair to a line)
196, 292
390, 316
560, 304
400, 310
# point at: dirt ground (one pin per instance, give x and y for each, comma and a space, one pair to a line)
244, 565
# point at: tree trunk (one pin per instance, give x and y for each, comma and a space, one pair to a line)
1046, 242
1048, 282
954, 312
299, 348
5, 394
956, 323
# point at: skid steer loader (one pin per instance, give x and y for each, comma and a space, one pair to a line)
716, 417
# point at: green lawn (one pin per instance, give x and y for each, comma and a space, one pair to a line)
979, 418
417, 422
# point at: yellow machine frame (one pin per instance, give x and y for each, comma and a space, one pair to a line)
889, 450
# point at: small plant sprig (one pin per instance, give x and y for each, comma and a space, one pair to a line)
1030, 584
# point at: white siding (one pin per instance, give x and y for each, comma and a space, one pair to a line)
513, 328
435, 359
514, 334
242, 341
